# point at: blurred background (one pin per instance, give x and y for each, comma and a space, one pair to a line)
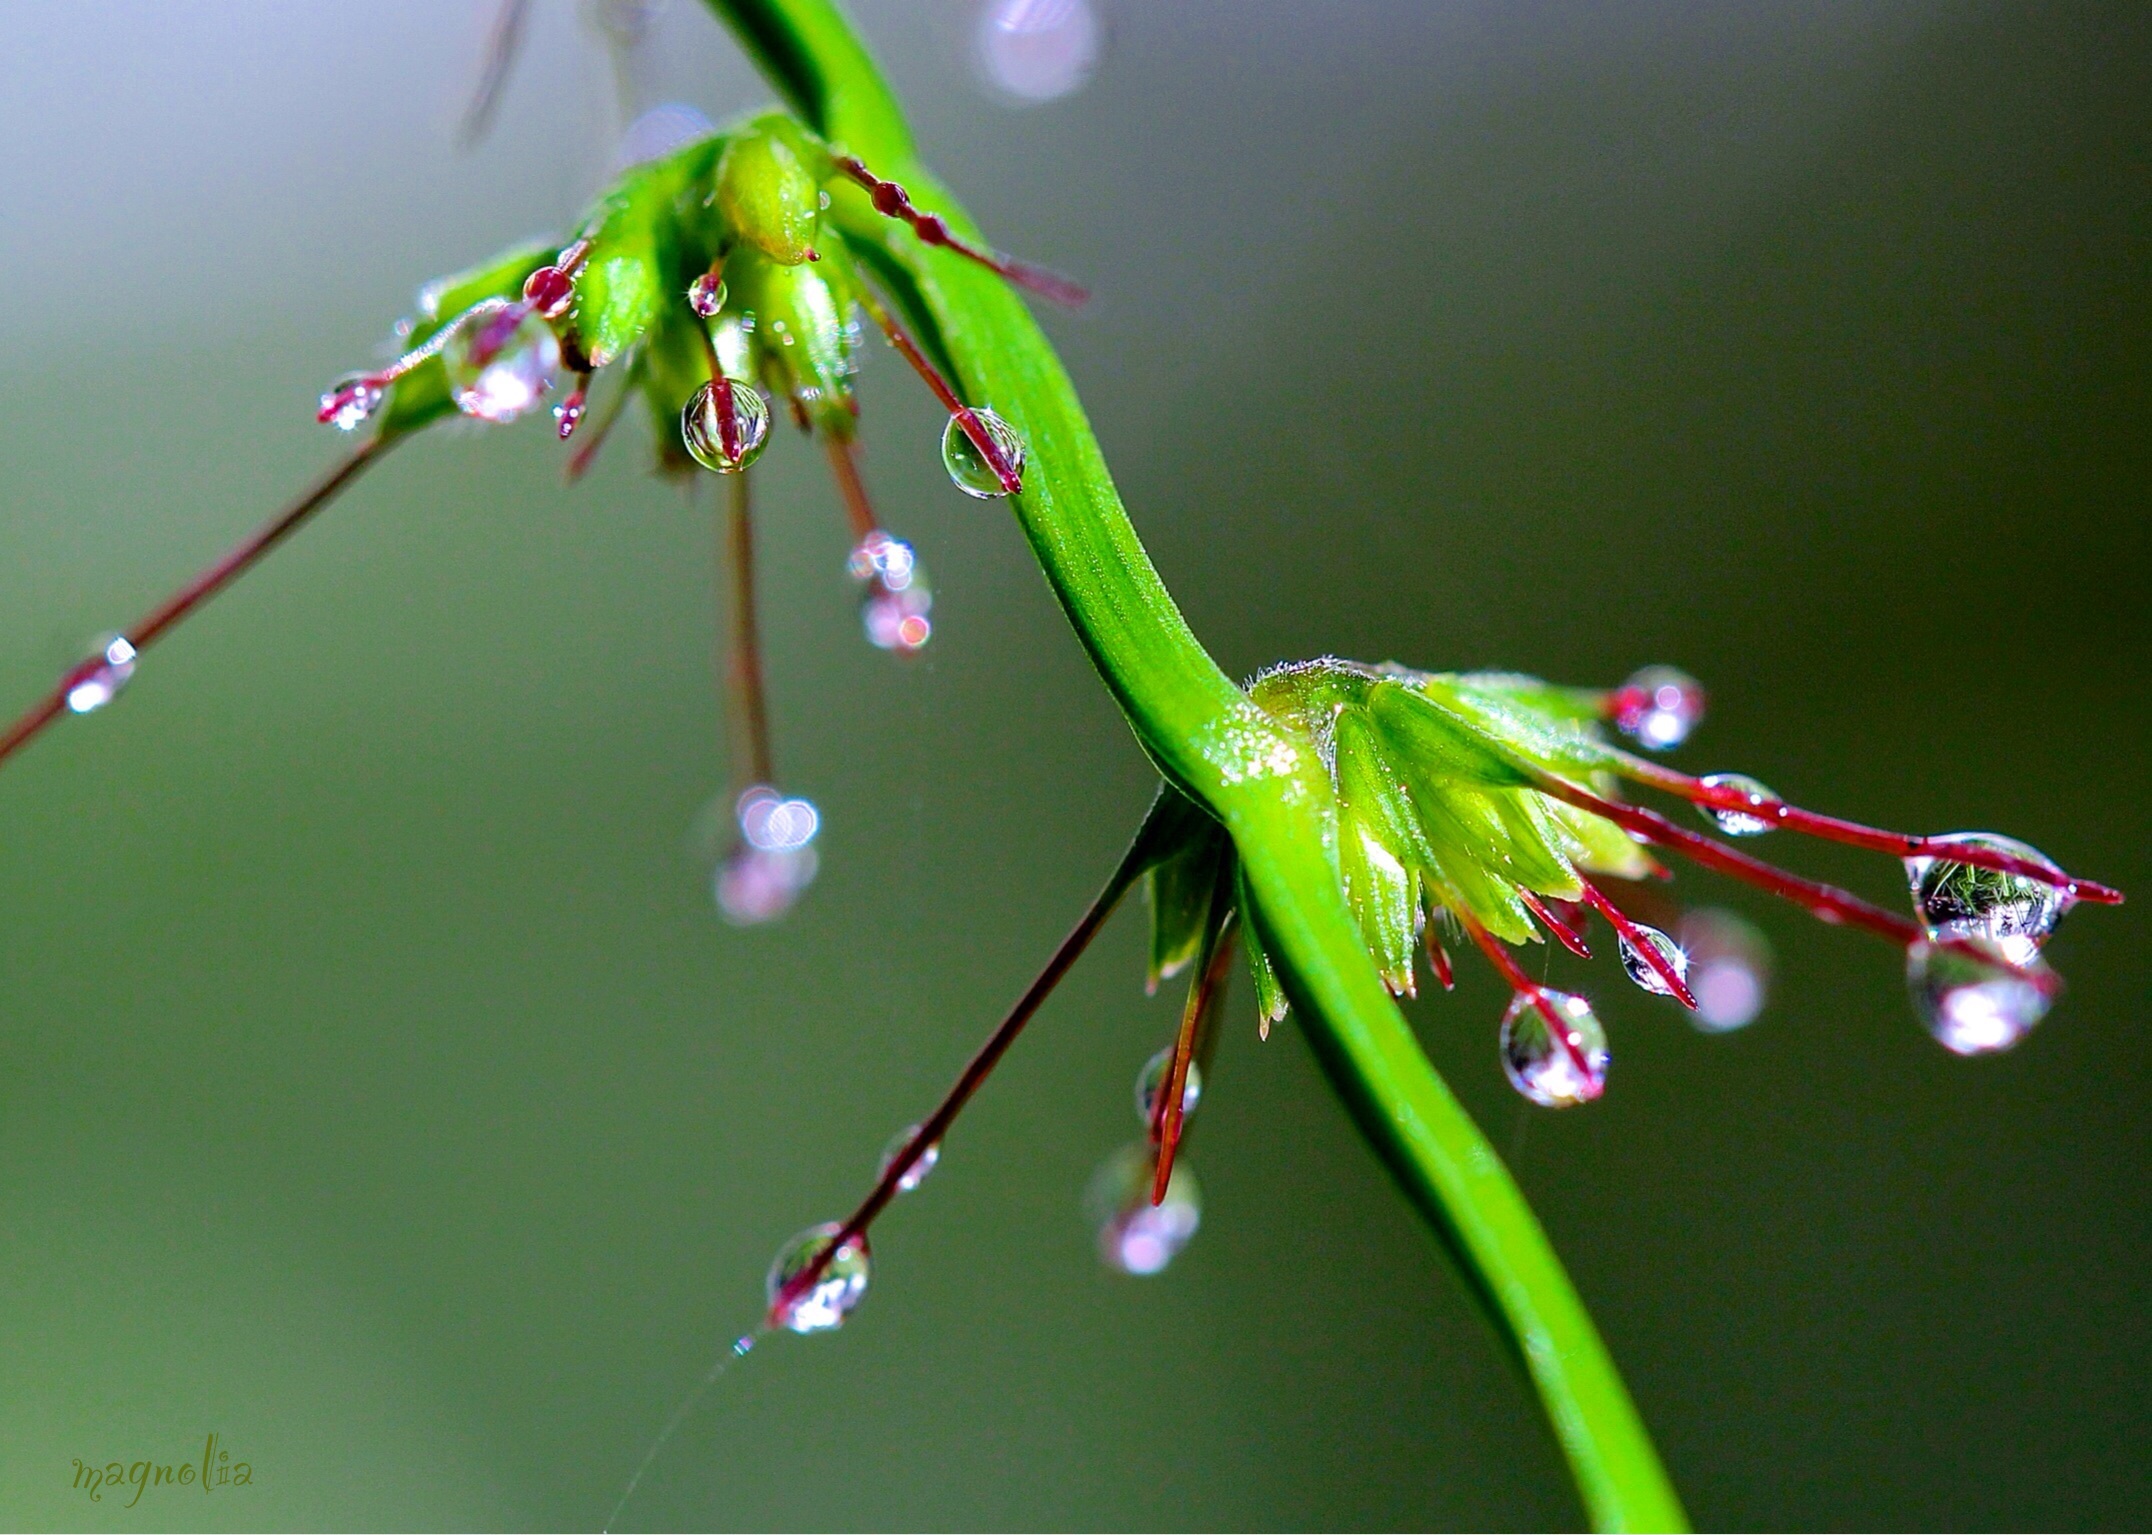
380, 1091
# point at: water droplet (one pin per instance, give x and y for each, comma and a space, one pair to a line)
1134, 1235
1539, 1065
350, 402
1641, 972
896, 601
755, 885
1961, 900
1658, 707
701, 430
1151, 1086
885, 559
835, 1295
1736, 823
1037, 50
968, 467
770, 821
1729, 969
1973, 1002
98, 680
916, 1174
550, 291
500, 361
706, 295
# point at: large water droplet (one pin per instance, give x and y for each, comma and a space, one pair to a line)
916, 1174
1729, 969
98, 680
1961, 900
500, 361
835, 1295
1539, 1064
1658, 707
350, 402
1151, 1086
550, 291
701, 430
1739, 823
706, 295
1134, 1235
1973, 1002
968, 468
1639, 969
1037, 50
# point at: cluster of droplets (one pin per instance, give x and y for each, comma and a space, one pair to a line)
1977, 980
895, 600
773, 860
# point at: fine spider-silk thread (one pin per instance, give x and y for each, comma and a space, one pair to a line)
724, 1362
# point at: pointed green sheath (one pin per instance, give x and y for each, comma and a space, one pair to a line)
1264, 782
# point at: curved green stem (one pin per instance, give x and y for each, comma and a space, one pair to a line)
1262, 781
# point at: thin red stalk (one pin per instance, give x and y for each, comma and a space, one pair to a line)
728, 424
965, 416
1642, 946
1203, 997
851, 488
936, 1125
1832, 829
580, 460
235, 563
571, 409
1826, 902
892, 201
1570, 938
1438, 958
751, 713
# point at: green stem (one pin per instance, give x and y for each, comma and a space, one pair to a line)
1263, 782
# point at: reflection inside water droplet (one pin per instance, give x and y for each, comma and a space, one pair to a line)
500, 361
1151, 1086
969, 469
1539, 1064
1640, 970
351, 401
1134, 1235
703, 433
916, 1174
835, 1295
1973, 1003
98, 681
1736, 823
1962, 900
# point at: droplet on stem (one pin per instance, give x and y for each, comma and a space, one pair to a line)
769, 858
1960, 900
98, 680
972, 471
1556, 1072
1729, 969
1739, 823
706, 295
916, 1174
1658, 707
549, 291
1134, 1235
501, 361
834, 1295
351, 401
1151, 1086
1641, 971
703, 433
1975, 1003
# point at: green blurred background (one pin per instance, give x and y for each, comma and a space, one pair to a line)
379, 1090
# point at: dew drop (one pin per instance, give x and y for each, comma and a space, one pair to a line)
1641, 972
897, 621
968, 467
1538, 1064
701, 431
1729, 969
706, 295
832, 1298
1151, 1086
1736, 823
916, 1174
1134, 1235
1973, 1002
550, 291
350, 402
500, 361
883, 558
98, 680
1658, 707
1962, 900
1037, 50
771, 822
